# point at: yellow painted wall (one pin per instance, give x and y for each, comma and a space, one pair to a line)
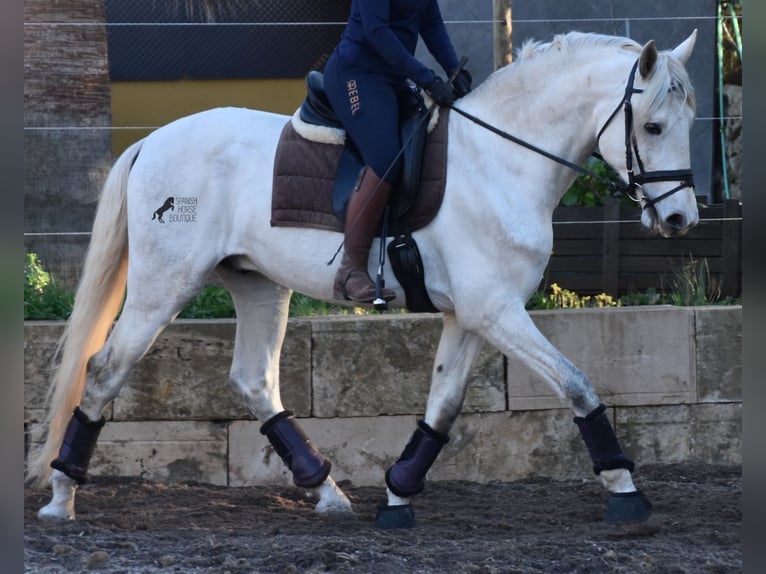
140, 107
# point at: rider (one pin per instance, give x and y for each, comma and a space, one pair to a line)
370, 65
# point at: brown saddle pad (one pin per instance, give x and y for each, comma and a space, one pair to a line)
304, 175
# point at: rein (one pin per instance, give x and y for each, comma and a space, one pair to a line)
633, 189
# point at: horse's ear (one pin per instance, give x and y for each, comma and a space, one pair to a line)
684, 49
648, 59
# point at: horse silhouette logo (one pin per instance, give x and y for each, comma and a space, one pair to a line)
169, 204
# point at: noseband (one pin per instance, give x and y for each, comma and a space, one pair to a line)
634, 189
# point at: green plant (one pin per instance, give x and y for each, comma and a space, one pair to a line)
213, 302
304, 306
692, 284
651, 297
44, 298
586, 189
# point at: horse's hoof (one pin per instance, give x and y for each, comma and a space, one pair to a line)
628, 507
55, 513
391, 517
335, 506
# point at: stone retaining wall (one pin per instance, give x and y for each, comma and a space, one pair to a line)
671, 377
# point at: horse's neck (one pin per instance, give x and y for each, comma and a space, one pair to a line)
551, 106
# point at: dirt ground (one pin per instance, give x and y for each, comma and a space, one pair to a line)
529, 526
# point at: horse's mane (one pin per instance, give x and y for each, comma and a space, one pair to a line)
573, 41
669, 75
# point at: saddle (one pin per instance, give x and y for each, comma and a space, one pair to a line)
316, 167
316, 110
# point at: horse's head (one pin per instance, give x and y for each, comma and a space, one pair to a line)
647, 138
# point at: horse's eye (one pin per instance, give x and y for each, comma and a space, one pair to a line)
653, 128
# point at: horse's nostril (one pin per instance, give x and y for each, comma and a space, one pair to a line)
676, 221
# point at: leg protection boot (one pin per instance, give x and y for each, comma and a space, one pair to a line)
599, 437
365, 208
78, 445
309, 467
406, 477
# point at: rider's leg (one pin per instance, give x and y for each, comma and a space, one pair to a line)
367, 106
367, 202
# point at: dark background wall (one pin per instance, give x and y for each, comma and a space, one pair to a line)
471, 27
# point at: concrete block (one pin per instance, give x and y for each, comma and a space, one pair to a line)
719, 353
706, 433
169, 451
360, 449
513, 446
381, 365
40, 339
633, 356
483, 447
185, 375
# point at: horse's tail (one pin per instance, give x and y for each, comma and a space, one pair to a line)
97, 301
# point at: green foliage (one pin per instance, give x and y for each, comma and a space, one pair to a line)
303, 306
588, 191
44, 299
692, 284
213, 302
651, 297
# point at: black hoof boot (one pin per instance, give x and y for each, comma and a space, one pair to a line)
627, 507
392, 517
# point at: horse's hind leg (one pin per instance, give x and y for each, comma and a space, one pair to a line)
106, 372
262, 309
454, 357
143, 317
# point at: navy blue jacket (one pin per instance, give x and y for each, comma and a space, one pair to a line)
381, 36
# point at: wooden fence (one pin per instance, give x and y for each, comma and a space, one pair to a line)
607, 250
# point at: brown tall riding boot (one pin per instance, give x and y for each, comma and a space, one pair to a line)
365, 208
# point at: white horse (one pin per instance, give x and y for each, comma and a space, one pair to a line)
484, 254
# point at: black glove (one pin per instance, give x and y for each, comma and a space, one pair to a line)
462, 83
440, 91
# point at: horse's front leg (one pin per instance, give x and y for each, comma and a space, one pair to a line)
513, 332
262, 310
454, 357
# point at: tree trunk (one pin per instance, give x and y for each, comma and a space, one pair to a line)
67, 119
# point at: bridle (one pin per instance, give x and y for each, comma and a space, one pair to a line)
633, 189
